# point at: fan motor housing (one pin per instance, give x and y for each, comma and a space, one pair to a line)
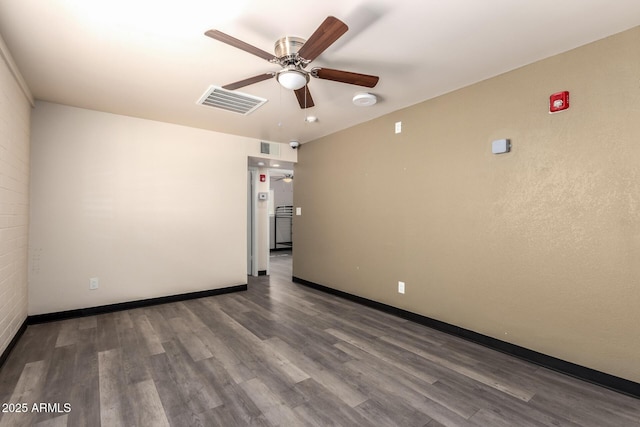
288, 46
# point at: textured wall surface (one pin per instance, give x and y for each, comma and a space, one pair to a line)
15, 113
539, 247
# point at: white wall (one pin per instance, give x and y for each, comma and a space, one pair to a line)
150, 208
15, 112
262, 213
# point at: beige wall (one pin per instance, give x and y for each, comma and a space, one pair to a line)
539, 247
15, 114
151, 209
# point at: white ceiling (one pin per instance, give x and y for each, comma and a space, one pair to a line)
150, 58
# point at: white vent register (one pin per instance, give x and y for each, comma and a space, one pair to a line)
231, 100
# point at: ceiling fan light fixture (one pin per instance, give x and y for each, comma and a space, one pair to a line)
294, 54
364, 99
292, 78
287, 179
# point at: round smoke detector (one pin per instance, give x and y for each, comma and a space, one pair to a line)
364, 99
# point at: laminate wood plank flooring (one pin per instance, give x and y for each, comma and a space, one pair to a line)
282, 354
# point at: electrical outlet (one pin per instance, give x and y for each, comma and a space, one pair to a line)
94, 283
401, 287
398, 127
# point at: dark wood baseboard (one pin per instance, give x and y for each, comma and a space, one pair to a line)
14, 341
602, 379
91, 311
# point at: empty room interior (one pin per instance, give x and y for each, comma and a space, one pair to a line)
350, 213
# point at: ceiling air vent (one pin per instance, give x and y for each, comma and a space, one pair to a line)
236, 102
268, 148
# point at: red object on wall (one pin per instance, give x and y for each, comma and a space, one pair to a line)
558, 102
263, 177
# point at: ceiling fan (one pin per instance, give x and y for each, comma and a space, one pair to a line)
293, 54
288, 177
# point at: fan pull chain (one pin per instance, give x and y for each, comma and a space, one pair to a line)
306, 89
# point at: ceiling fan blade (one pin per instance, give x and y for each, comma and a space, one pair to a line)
345, 77
232, 41
247, 82
304, 97
328, 32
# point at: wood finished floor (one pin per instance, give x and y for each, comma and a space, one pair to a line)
283, 355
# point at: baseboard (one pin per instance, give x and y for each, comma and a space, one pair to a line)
14, 341
602, 379
92, 311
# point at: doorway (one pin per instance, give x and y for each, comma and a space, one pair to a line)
269, 213
281, 211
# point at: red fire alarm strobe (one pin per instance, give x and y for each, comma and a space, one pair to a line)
558, 102
263, 177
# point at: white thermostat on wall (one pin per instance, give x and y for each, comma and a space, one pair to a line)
500, 146
263, 196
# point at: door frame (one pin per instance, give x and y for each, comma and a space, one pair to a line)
252, 222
